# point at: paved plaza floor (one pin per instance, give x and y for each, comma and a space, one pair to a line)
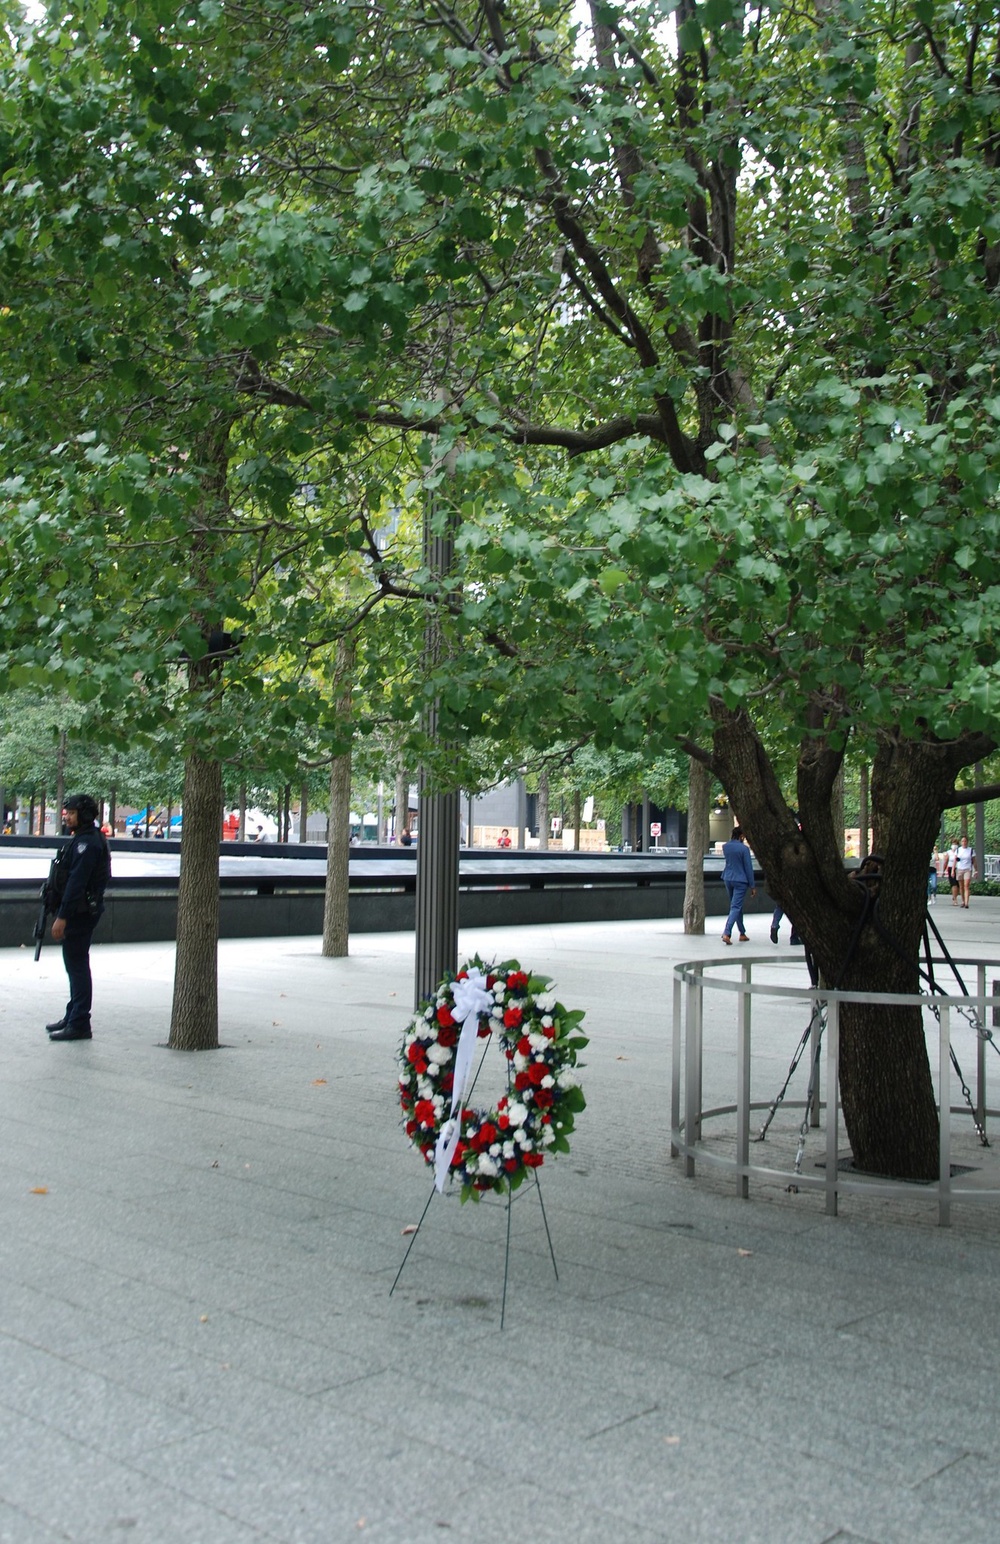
198, 1343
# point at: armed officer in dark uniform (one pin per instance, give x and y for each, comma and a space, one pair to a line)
81, 873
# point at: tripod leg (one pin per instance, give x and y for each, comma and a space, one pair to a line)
548, 1235
413, 1240
506, 1260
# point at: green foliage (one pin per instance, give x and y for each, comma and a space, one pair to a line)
394, 257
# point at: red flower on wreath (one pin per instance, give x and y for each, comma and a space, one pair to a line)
537, 1071
517, 980
425, 1112
533, 1160
444, 1016
512, 1018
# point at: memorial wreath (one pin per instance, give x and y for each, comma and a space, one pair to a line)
490, 1149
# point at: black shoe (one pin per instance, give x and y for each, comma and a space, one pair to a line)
795, 939
774, 935
50, 1029
69, 1033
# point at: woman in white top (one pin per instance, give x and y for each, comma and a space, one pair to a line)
950, 860
965, 868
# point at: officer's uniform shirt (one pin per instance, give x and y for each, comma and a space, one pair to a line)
84, 862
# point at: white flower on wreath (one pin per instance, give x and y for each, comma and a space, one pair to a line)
487, 1167
548, 1081
538, 1042
545, 1001
520, 1062
508, 1149
567, 1078
522, 1139
439, 1054
548, 1136
517, 1114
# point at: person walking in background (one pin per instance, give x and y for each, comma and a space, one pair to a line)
82, 871
965, 870
776, 923
737, 876
950, 862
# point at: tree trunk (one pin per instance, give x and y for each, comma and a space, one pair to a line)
402, 811
576, 820
542, 811
60, 776
699, 786
837, 809
863, 820
194, 1021
336, 898
304, 814
863, 940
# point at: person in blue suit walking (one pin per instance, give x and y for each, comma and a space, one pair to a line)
738, 879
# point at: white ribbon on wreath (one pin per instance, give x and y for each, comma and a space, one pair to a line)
471, 999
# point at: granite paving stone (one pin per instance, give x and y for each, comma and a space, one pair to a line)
198, 1343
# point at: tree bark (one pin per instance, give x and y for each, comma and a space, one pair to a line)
699, 785
402, 810
837, 808
60, 776
194, 1020
542, 811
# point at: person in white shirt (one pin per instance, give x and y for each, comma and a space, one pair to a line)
965, 869
950, 860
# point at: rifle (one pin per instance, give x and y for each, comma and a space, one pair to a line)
46, 897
